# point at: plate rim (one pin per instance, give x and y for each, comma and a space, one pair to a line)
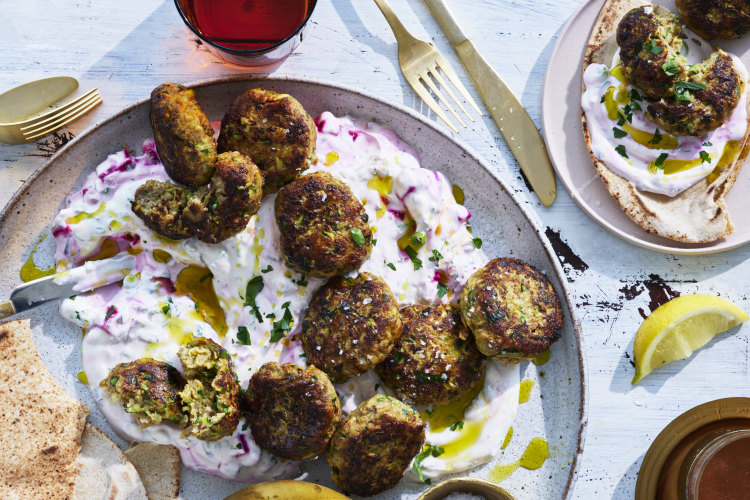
7, 210
546, 118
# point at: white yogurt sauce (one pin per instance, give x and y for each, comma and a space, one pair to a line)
597, 78
146, 317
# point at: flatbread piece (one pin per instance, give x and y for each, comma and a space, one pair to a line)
42, 425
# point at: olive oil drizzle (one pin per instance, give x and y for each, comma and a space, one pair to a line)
533, 458
30, 271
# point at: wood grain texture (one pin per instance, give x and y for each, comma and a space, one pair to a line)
127, 48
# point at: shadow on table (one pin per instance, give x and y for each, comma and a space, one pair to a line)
625, 488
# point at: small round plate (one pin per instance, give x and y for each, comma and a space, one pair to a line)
676, 431
561, 122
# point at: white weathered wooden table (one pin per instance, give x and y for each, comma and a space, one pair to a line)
127, 48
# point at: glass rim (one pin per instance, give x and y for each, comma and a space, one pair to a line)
704, 457
263, 50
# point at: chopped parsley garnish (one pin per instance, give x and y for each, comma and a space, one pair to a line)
477, 242
635, 95
621, 150
442, 290
113, 381
707, 144
656, 139
281, 327
705, 157
457, 425
634, 106
620, 119
652, 47
391, 265
690, 85
436, 256
604, 98
254, 287
374, 242
302, 281
110, 312
619, 133
435, 451
671, 68
418, 239
660, 160
682, 95
243, 335
357, 236
413, 256
166, 309
428, 378
268, 269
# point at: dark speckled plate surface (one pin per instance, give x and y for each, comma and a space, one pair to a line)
557, 408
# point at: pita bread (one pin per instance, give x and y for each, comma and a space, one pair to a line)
159, 468
698, 214
105, 473
42, 425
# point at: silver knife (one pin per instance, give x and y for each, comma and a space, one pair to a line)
80, 279
514, 122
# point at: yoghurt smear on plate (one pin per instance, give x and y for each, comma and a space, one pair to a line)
633, 147
179, 290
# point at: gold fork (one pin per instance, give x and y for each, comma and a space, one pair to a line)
56, 119
420, 62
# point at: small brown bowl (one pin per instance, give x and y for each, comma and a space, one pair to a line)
470, 485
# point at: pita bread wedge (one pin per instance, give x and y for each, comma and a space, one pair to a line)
42, 425
159, 468
698, 214
104, 471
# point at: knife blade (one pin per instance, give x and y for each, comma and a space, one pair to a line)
515, 124
80, 279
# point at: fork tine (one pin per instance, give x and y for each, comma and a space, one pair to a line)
424, 94
61, 117
436, 74
51, 115
426, 78
70, 120
453, 78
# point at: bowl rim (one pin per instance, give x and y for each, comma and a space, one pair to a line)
246, 52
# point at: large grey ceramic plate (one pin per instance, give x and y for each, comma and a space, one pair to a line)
561, 121
556, 410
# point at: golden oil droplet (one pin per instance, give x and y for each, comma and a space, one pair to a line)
542, 358
331, 158
525, 392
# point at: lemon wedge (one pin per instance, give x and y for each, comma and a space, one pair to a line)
679, 327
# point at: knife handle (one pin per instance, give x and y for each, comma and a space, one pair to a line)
7, 309
445, 19
515, 124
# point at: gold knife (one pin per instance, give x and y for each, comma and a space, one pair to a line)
514, 122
